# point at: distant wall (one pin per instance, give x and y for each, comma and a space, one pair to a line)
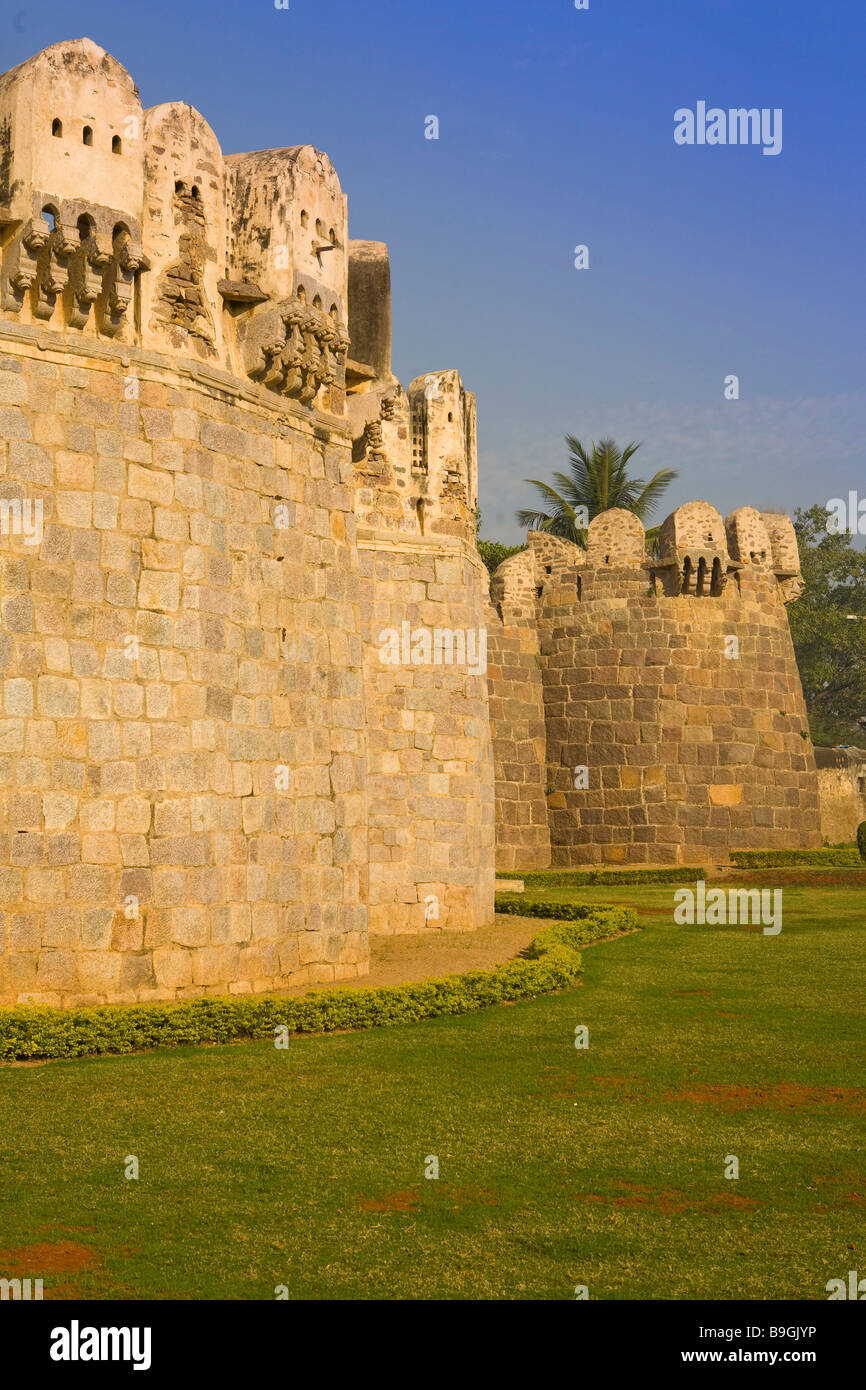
672, 723
690, 753
842, 794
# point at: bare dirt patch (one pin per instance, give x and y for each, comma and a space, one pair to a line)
668, 1201
48, 1257
784, 1095
405, 1200
412, 957
409, 1199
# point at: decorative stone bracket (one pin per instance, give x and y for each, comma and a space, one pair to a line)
127, 261
296, 350
50, 262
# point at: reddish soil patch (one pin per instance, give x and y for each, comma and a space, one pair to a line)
473, 1196
409, 1199
625, 1088
48, 1258
60, 1257
668, 1201
405, 1200
785, 1095
847, 1177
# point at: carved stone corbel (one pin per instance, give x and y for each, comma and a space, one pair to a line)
53, 273
296, 349
127, 261
312, 361
23, 262
86, 274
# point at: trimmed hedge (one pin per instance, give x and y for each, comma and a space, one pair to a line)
783, 858
616, 919
553, 961
861, 840
578, 878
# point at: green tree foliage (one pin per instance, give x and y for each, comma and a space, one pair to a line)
596, 480
494, 552
828, 625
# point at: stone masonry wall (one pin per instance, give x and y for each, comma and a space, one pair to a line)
430, 766
519, 744
690, 752
842, 792
182, 733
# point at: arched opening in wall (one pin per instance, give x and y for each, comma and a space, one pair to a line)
451, 417
196, 192
86, 227
50, 215
419, 512
57, 128
305, 219
320, 227
716, 581
302, 295
116, 145
702, 577
687, 575
317, 302
87, 135
332, 237
579, 588
333, 312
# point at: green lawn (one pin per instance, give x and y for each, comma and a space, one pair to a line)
558, 1167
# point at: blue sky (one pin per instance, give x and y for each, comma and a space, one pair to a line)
556, 129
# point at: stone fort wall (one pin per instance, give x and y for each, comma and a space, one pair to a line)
257, 697
673, 713
210, 779
182, 739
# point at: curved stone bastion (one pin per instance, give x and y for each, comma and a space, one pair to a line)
647, 708
215, 499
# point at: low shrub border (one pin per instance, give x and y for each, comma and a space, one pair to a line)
616, 919
783, 858
577, 878
552, 962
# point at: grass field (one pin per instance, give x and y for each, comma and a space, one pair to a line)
558, 1167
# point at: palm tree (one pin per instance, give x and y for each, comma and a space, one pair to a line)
595, 482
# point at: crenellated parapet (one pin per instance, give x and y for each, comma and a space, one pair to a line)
699, 555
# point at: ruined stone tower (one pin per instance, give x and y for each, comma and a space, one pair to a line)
214, 496
648, 709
